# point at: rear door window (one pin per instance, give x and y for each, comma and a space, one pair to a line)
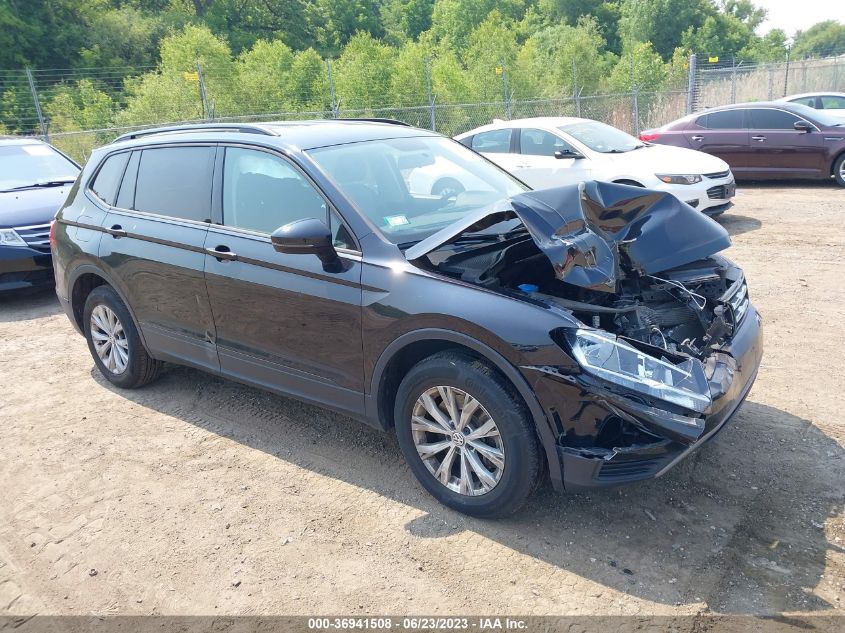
493, 141
766, 119
109, 176
176, 182
541, 143
723, 120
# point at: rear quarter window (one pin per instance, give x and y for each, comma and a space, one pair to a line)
108, 178
493, 142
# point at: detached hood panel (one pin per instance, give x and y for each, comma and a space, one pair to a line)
595, 231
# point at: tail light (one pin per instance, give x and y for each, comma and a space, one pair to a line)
649, 136
52, 234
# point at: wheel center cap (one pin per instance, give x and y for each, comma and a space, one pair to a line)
458, 438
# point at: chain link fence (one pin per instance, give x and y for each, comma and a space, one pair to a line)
80, 109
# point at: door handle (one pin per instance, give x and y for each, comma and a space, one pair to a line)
758, 138
221, 253
116, 230
697, 137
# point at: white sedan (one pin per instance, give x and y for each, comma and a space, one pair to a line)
549, 152
831, 102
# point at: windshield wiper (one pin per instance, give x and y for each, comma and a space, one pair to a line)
43, 185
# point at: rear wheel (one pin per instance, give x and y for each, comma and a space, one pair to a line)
466, 435
114, 342
839, 170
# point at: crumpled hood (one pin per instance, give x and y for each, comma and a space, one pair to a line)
594, 231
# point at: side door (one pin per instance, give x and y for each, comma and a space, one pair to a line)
154, 248
540, 169
499, 146
283, 321
778, 149
724, 134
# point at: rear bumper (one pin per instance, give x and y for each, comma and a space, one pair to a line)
588, 465
24, 268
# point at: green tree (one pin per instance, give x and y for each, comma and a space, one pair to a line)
363, 73
341, 19
262, 77
454, 20
820, 40
123, 37
491, 55
308, 83
406, 19
662, 22
639, 66
606, 12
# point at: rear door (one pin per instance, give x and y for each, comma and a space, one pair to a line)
154, 249
724, 134
537, 166
499, 146
283, 321
778, 149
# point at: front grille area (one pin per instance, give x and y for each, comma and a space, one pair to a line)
718, 174
719, 192
626, 471
36, 237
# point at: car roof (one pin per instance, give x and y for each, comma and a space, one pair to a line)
295, 135
540, 121
803, 95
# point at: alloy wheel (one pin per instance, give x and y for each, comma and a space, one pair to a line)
458, 440
109, 339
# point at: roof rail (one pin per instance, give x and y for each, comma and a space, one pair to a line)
376, 120
197, 127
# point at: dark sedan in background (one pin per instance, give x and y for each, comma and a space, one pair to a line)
764, 140
34, 181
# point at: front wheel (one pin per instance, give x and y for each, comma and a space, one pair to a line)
466, 435
114, 342
839, 170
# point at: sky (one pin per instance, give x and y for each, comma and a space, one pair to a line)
791, 16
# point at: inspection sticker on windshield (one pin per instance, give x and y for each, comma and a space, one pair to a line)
396, 220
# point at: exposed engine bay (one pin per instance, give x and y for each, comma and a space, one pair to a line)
636, 263
685, 310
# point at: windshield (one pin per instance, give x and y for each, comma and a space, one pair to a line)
410, 188
817, 116
601, 137
26, 165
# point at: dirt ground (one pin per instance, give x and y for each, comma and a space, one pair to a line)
201, 496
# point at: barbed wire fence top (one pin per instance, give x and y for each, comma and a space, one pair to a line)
79, 109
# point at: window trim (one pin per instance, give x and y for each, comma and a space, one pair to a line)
147, 214
89, 184
218, 222
798, 117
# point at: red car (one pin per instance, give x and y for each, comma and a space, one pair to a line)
764, 141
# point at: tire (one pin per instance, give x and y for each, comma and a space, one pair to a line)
124, 361
447, 187
505, 487
839, 170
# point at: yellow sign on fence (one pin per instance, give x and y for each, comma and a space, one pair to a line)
713, 60
191, 76
498, 70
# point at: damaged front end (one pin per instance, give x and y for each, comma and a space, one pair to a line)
660, 344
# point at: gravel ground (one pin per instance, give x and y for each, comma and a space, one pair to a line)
201, 496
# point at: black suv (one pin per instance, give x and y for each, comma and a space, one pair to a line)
589, 330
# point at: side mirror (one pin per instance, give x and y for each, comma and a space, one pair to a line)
803, 126
306, 237
567, 153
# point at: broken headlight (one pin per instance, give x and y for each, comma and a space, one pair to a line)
679, 179
606, 357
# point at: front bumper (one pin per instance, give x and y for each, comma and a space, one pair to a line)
22, 267
663, 437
